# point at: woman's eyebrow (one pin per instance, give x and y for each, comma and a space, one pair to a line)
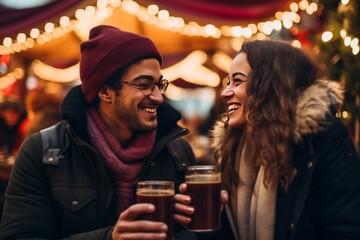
238, 73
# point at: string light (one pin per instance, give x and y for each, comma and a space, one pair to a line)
160, 18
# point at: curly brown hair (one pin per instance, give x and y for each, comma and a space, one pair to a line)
280, 72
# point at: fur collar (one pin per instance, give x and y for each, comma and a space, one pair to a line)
319, 101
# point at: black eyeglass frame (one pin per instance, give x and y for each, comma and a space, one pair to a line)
162, 85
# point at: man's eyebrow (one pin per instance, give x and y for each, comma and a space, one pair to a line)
149, 77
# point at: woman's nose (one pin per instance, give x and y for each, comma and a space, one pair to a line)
227, 92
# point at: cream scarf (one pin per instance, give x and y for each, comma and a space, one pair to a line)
254, 205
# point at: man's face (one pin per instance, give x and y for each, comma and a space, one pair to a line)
130, 109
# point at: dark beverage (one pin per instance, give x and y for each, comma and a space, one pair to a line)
163, 202
206, 202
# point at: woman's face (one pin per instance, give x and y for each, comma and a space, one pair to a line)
235, 92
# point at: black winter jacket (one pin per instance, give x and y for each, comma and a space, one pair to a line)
323, 200
73, 197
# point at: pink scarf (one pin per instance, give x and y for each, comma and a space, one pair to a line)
124, 164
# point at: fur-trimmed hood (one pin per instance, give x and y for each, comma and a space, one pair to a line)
315, 104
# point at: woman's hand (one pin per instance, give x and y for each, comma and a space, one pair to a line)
183, 210
224, 197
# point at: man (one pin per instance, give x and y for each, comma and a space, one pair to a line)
116, 131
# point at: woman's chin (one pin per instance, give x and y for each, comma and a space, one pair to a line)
236, 123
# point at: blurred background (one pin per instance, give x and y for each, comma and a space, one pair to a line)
39, 47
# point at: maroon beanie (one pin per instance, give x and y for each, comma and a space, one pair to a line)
108, 50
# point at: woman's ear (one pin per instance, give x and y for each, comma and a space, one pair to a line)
105, 94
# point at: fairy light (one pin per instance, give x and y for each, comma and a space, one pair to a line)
303, 5
80, 14
64, 21
16, 47
40, 40
326, 36
314, 7
296, 43
115, 3
163, 15
236, 31
90, 11
277, 25
294, 7
34, 33
102, 3
355, 50
343, 33
30, 43
345, 114
354, 42
247, 32
287, 23
7, 42
153, 9
131, 7
49, 27
21, 37
101, 14
267, 27
253, 28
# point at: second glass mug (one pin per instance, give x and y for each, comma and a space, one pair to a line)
203, 186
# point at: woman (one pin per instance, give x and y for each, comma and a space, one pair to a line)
289, 165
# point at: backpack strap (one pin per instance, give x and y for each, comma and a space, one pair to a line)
51, 146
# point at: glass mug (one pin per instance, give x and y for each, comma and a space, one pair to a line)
161, 195
203, 186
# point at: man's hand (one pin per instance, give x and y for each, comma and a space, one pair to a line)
129, 227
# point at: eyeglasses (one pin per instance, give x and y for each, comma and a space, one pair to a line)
147, 86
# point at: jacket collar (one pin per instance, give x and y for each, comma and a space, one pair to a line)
315, 106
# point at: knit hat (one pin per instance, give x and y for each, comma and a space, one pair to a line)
108, 50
